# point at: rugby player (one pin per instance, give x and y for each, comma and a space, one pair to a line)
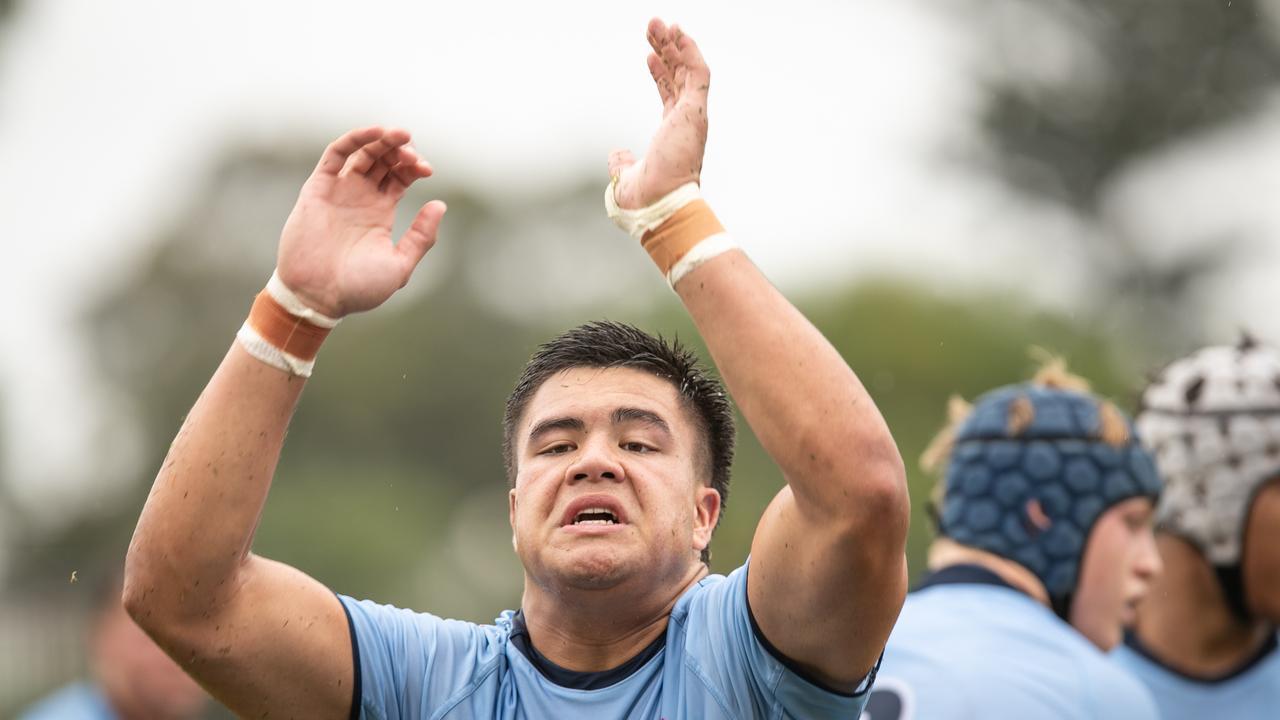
618, 452
1205, 640
1044, 547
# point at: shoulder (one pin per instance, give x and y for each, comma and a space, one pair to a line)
964, 641
713, 630
1118, 693
1253, 689
405, 625
412, 662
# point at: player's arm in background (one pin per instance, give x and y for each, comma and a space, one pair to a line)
264, 638
828, 566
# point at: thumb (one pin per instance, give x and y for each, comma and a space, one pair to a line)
620, 160
421, 235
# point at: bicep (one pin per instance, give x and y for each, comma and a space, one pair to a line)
277, 645
824, 594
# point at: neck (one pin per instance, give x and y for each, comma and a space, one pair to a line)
1186, 621
944, 553
590, 630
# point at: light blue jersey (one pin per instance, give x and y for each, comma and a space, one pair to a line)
1251, 691
80, 701
968, 646
710, 664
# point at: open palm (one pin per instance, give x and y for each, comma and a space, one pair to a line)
336, 251
674, 156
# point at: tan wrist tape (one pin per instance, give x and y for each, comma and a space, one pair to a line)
281, 338
691, 236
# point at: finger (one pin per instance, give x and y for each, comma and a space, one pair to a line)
380, 168
620, 160
362, 160
336, 154
407, 174
402, 176
421, 235
662, 79
409, 169
670, 55
656, 33
699, 75
394, 163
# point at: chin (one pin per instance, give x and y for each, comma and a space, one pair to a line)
593, 570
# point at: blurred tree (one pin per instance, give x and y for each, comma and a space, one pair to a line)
1084, 90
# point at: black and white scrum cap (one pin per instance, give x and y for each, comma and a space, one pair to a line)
1212, 421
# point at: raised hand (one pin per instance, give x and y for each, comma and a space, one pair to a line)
675, 154
336, 251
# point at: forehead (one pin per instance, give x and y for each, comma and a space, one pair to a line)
583, 391
1115, 517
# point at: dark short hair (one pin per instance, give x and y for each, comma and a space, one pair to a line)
606, 344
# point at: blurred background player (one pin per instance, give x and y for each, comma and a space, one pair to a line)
1044, 547
1205, 641
132, 678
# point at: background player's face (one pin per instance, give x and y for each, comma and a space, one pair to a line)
1120, 561
135, 674
1261, 558
615, 438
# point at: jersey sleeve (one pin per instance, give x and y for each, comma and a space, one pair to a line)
410, 664
734, 659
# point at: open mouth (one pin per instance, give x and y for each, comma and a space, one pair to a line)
596, 510
595, 516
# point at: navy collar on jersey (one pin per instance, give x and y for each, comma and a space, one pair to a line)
963, 575
1131, 640
575, 679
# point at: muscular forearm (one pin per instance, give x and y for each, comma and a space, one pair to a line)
197, 525
801, 399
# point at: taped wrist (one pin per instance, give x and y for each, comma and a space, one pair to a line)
282, 331
679, 231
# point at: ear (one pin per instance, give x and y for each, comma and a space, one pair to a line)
706, 512
511, 518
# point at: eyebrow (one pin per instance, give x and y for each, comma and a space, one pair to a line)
561, 423
647, 417
620, 416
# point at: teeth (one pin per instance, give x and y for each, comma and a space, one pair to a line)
595, 516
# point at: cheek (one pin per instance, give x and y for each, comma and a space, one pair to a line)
1104, 569
1262, 555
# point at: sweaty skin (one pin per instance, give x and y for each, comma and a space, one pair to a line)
828, 572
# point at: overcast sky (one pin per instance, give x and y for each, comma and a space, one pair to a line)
827, 119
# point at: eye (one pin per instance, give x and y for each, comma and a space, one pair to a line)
636, 447
1139, 522
557, 449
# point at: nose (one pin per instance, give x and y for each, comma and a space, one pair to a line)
1148, 564
596, 463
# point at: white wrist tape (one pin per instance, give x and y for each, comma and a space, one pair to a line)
679, 231
260, 348
290, 302
699, 254
640, 221
282, 331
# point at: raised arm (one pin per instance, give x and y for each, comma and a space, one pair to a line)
828, 567
262, 637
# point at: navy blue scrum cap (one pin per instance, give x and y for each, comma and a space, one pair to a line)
1073, 453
